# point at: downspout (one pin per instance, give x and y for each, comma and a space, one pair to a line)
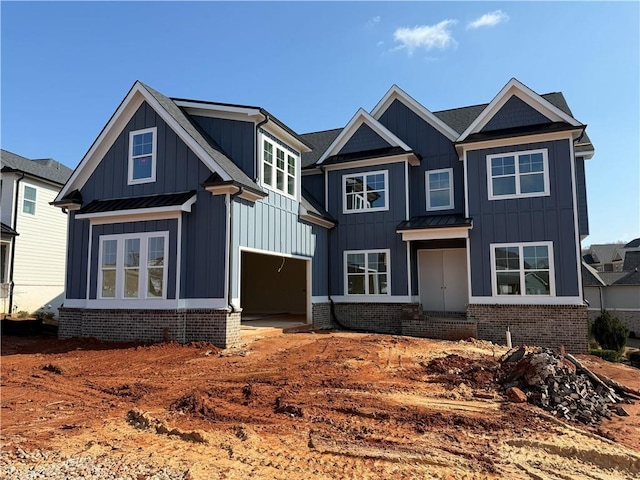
230, 236
13, 242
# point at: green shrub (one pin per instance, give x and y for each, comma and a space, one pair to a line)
44, 315
634, 359
610, 332
608, 355
22, 314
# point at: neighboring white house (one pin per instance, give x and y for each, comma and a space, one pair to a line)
34, 234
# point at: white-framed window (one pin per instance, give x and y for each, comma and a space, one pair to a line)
29, 200
142, 156
518, 174
279, 167
523, 269
439, 189
365, 192
133, 266
367, 272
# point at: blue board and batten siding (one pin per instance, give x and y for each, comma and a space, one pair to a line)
369, 230
272, 225
363, 139
436, 150
581, 194
515, 113
536, 219
178, 170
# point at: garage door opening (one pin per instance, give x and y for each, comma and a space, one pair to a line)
273, 290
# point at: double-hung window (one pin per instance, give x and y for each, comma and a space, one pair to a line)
439, 189
367, 272
365, 192
523, 269
133, 266
29, 200
142, 156
279, 166
518, 174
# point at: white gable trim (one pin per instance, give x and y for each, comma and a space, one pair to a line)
129, 106
524, 93
396, 93
361, 117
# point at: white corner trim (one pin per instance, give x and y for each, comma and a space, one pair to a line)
396, 92
440, 233
361, 117
515, 87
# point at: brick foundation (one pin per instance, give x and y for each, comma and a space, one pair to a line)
220, 327
440, 328
630, 318
544, 325
321, 317
375, 317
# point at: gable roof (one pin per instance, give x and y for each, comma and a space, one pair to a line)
635, 243
204, 148
46, 169
320, 142
362, 118
591, 277
604, 252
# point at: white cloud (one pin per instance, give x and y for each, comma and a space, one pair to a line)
374, 21
489, 19
425, 36
380, 43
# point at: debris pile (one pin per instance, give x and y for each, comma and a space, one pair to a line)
559, 383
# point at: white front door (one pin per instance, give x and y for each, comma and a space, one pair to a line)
442, 279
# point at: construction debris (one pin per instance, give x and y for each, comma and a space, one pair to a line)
561, 384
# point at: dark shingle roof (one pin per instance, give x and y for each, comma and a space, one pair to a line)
314, 207
630, 278
320, 141
7, 230
604, 252
612, 277
47, 169
207, 144
631, 260
133, 203
590, 277
635, 243
434, 221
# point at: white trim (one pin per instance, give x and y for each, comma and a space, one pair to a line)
440, 233
211, 109
451, 205
373, 298
518, 175
279, 132
88, 292
466, 184
227, 247
345, 176
222, 189
169, 304
468, 245
512, 141
270, 252
310, 171
361, 117
524, 93
320, 299
326, 191
366, 253
586, 155
406, 189
401, 157
178, 256
409, 286
139, 213
396, 92
541, 299
576, 226
70, 206
525, 300
287, 152
304, 215
143, 267
154, 156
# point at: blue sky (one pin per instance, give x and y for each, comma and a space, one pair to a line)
67, 66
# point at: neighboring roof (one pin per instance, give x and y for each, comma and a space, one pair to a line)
8, 231
47, 169
631, 260
434, 221
134, 203
610, 278
604, 252
630, 278
320, 141
591, 277
635, 243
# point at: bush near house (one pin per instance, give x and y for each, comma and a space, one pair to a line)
610, 333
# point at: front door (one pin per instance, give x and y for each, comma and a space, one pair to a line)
442, 278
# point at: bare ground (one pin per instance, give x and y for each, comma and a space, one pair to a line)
338, 405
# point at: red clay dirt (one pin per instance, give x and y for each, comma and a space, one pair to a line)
338, 405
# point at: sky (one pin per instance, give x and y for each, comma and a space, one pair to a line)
66, 66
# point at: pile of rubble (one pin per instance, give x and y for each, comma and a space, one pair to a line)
559, 383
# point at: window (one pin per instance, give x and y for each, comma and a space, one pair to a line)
440, 189
132, 266
365, 192
29, 201
367, 272
520, 174
279, 173
142, 156
523, 269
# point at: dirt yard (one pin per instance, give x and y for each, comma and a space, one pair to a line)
312, 406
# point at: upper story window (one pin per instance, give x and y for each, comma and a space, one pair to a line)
279, 167
439, 189
365, 192
523, 269
142, 156
367, 272
518, 174
133, 266
29, 200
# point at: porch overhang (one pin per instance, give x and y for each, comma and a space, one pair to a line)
436, 227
